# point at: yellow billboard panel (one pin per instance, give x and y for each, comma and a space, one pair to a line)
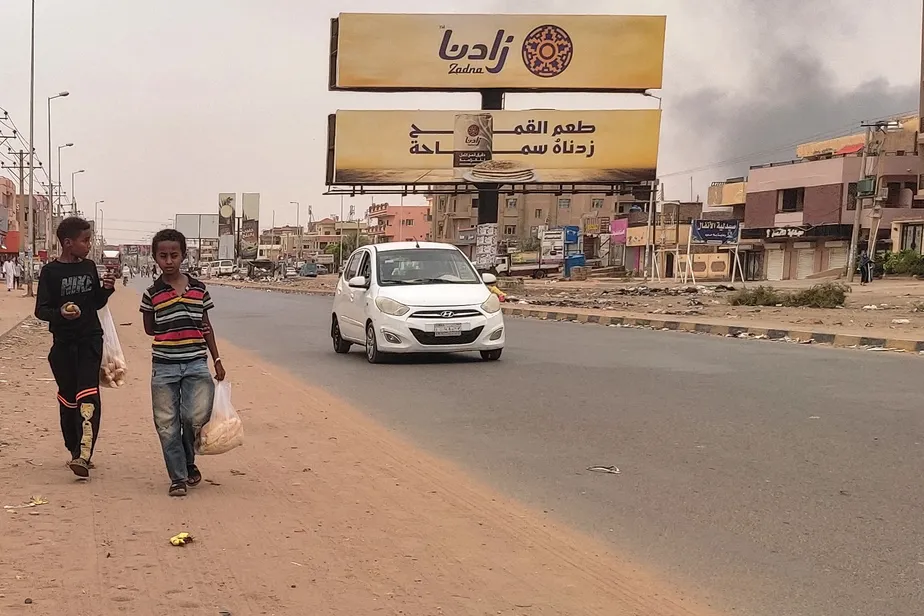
375, 51
508, 147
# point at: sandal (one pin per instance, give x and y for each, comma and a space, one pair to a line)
177, 488
79, 467
194, 476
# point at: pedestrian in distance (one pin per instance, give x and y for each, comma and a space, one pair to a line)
17, 273
866, 268
69, 294
176, 313
9, 274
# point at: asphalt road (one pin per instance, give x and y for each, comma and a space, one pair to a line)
774, 479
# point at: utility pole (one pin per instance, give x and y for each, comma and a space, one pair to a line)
649, 229
27, 267
855, 232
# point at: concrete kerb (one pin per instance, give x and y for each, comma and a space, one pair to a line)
727, 331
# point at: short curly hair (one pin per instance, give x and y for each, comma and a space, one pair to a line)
168, 235
70, 228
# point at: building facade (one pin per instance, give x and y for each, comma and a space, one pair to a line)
396, 223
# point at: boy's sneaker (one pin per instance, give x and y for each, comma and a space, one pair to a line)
194, 477
177, 488
79, 467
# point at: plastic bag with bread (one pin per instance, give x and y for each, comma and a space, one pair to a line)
112, 371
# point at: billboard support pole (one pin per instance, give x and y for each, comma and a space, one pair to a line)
488, 194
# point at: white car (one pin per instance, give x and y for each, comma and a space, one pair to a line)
410, 297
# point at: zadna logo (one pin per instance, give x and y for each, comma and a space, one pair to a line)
547, 51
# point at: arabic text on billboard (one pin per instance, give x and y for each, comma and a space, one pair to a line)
508, 52
441, 147
715, 231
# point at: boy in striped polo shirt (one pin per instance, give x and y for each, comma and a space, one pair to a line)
175, 310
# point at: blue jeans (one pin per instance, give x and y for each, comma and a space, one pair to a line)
182, 397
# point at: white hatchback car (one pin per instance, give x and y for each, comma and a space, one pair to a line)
410, 297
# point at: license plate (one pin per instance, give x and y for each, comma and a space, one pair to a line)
447, 329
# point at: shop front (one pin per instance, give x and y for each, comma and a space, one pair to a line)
798, 253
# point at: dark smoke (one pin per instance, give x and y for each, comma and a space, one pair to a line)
796, 98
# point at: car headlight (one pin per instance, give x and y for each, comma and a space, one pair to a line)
491, 305
391, 307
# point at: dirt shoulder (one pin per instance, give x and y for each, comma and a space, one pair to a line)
14, 307
321, 512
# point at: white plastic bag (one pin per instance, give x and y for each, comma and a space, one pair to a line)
112, 370
224, 430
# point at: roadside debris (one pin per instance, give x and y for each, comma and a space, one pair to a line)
181, 539
610, 470
34, 501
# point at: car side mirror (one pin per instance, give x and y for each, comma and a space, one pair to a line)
358, 282
488, 278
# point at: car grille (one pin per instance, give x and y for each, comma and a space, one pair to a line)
431, 339
441, 314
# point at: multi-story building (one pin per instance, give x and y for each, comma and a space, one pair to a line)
7, 214
521, 216
395, 223
798, 215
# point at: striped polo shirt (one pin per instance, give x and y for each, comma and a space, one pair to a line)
179, 331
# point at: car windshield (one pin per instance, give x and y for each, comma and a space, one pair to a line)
425, 266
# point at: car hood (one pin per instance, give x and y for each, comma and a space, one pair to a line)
437, 295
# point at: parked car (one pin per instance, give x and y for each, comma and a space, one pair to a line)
322, 270
225, 267
409, 297
308, 270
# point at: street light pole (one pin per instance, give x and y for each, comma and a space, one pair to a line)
66, 145
73, 195
51, 191
31, 238
298, 227
97, 228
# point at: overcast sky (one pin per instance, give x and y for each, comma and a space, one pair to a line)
175, 101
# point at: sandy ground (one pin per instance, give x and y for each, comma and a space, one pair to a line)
321, 512
14, 307
894, 301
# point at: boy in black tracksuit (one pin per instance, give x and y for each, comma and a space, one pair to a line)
69, 294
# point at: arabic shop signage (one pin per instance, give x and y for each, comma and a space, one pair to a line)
715, 231
509, 52
511, 147
783, 233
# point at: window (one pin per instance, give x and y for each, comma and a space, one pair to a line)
474, 204
622, 208
852, 196
439, 230
510, 229
893, 193
353, 266
442, 205
366, 268
596, 204
407, 222
424, 266
791, 200
564, 203
538, 213
511, 204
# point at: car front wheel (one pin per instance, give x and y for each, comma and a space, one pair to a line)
340, 345
373, 355
492, 355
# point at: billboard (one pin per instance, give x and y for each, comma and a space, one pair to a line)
187, 224
445, 52
716, 232
539, 146
250, 225
227, 217
197, 226
619, 229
